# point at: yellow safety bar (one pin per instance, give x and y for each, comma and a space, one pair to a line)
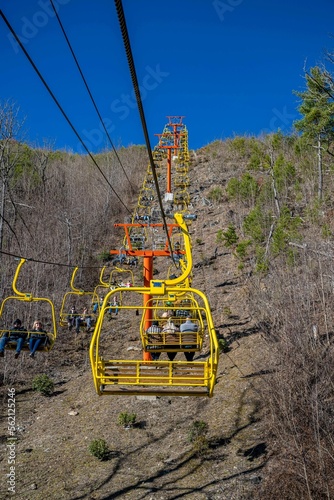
73, 294
118, 270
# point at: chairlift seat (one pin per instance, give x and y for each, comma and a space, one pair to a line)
45, 346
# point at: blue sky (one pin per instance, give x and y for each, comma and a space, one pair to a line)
228, 66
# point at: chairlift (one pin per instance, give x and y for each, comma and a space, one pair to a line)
75, 297
126, 374
26, 306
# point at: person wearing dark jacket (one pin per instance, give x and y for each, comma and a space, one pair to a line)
71, 318
16, 334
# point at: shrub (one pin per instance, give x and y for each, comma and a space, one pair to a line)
197, 436
126, 419
262, 264
227, 311
286, 229
246, 189
215, 194
284, 173
254, 162
104, 256
43, 384
99, 448
228, 237
238, 145
223, 347
233, 188
249, 188
255, 224
326, 231
241, 249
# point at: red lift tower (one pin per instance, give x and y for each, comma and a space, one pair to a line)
170, 140
131, 249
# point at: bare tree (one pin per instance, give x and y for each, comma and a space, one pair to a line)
10, 154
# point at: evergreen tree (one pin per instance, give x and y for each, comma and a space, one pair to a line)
317, 108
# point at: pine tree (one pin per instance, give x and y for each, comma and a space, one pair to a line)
317, 108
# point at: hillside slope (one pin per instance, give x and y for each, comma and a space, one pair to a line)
154, 459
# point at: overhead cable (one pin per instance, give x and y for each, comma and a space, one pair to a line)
127, 45
89, 92
38, 261
60, 107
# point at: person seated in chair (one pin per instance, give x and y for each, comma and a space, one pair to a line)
36, 339
98, 304
155, 330
83, 318
17, 334
71, 318
170, 329
113, 307
189, 326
